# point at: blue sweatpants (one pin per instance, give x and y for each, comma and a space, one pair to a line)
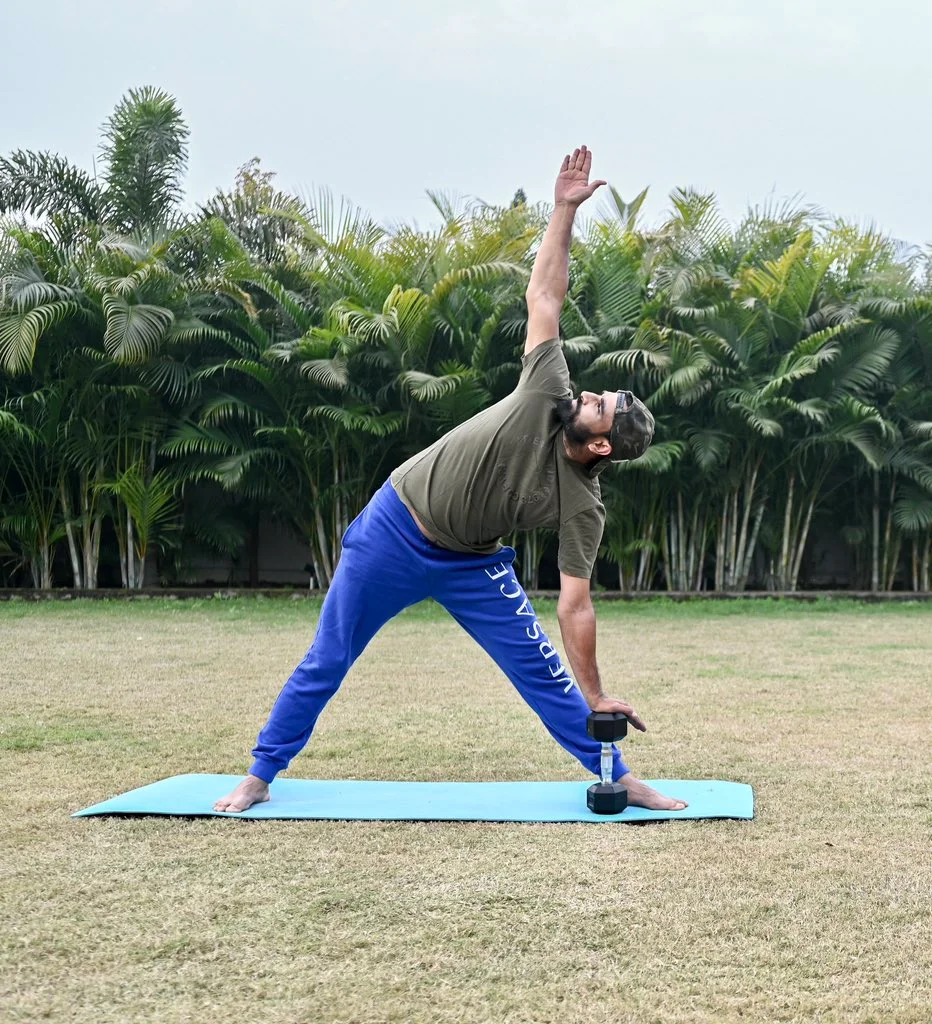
388, 564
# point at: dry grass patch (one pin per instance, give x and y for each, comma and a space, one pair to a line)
816, 911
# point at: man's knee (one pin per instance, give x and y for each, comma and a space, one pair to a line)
322, 668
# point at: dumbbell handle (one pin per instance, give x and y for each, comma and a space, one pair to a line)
607, 762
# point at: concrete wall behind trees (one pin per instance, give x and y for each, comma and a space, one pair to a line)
284, 561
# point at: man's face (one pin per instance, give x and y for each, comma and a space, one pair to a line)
589, 421
589, 416
595, 413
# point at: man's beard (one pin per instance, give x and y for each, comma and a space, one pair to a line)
567, 411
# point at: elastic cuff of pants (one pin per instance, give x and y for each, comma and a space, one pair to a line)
619, 768
264, 770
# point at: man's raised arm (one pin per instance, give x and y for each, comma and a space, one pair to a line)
546, 290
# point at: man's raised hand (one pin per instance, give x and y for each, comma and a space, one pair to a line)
573, 186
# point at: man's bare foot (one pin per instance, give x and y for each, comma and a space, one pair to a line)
641, 795
250, 791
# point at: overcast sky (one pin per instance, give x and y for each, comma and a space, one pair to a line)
382, 99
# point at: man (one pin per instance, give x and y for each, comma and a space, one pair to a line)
434, 530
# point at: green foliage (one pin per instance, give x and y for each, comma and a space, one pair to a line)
272, 356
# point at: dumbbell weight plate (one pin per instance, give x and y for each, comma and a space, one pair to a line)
606, 798
607, 726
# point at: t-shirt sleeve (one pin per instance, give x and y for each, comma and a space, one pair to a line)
580, 537
545, 370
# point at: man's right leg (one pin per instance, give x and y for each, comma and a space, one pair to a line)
487, 600
376, 578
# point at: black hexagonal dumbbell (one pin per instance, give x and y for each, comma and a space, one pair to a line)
607, 797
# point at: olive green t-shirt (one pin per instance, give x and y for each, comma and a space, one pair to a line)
506, 469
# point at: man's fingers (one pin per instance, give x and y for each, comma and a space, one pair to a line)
619, 705
633, 717
586, 160
565, 166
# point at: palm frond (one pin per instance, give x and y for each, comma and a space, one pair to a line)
583, 345
26, 287
425, 387
864, 361
358, 420
20, 332
709, 448
328, 373
250, 367
660, 458
14, 428
912, 512
134, 330
476, 274
171, 378
46, 184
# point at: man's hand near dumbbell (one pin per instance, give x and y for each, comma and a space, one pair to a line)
578, 628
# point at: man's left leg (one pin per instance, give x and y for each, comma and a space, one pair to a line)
487, 600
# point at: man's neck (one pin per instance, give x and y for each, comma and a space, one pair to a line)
574, 454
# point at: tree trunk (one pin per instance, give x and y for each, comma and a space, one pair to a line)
45, 564
732, 549
801, 540
675, 531
784, 564
121, 546
745, 553
875, 534
91, 524
720, 548
695, 545
702, 533
325, 566
894, 561
130, 554
532, 554
69, 532
749, 552
92, 552
891, 549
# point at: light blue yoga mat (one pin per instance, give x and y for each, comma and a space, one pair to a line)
424, 801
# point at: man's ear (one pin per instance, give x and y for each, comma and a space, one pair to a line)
599, 446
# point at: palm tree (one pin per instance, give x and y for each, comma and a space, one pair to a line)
121, 291
31, 428
144, 154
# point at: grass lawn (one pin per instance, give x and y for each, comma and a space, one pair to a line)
819, 910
